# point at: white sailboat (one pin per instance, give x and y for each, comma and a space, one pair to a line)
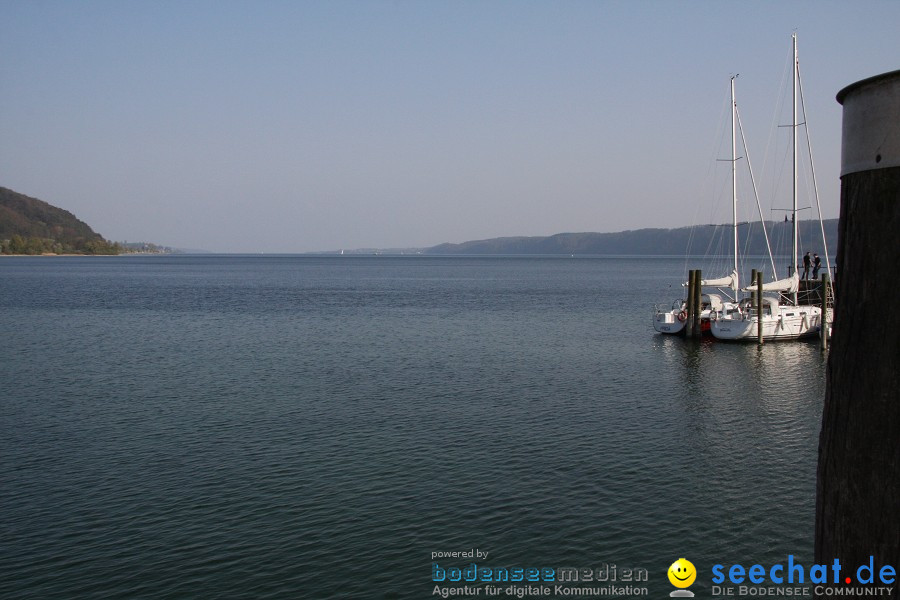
672, 321
782, 317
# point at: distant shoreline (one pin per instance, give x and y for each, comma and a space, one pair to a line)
52, 255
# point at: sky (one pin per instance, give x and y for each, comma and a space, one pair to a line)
290, 126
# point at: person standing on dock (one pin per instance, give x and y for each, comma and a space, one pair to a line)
817, 264
806, 263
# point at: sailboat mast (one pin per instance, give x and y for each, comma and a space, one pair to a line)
794, 142
734, 186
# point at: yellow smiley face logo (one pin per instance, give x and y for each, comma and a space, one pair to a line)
682, 573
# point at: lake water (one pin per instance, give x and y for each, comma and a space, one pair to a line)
302, 427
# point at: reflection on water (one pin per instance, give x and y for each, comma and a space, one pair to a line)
301, 427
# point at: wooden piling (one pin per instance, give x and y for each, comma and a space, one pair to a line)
688, 324
859, 458
823, 294
693, 313
752, 283
698, 298
759, 308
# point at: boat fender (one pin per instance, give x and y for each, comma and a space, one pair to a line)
713, 315
682, 316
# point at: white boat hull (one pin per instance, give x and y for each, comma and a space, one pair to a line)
788, 323
673, 321
669, 322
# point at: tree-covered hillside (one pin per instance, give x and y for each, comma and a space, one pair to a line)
700, 240
32, 226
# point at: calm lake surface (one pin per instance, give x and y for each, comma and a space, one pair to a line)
298, 427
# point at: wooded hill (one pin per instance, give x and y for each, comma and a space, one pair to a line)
698, 240
32, 226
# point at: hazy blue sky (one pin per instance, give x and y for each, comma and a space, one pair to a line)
297, 126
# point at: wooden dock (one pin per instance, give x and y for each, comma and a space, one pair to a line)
810, 292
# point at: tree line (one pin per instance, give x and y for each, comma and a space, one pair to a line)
34, 245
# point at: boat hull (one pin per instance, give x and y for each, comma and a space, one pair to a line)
792, 323
669, 323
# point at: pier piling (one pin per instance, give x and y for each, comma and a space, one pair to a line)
752, 283
759, 308
698, 297
693, 326
689, 324
857, 483
825, 302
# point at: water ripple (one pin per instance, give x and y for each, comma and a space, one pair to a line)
286, 428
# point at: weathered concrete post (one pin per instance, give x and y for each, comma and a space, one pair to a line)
858, 484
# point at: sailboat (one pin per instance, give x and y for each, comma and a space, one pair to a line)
782, 317
673, 321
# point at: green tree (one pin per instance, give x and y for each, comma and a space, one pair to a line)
17, 245
101, 247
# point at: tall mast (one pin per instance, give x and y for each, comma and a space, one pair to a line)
734, 185
794, 142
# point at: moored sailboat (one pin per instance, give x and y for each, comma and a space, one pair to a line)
674, 320
781, 316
